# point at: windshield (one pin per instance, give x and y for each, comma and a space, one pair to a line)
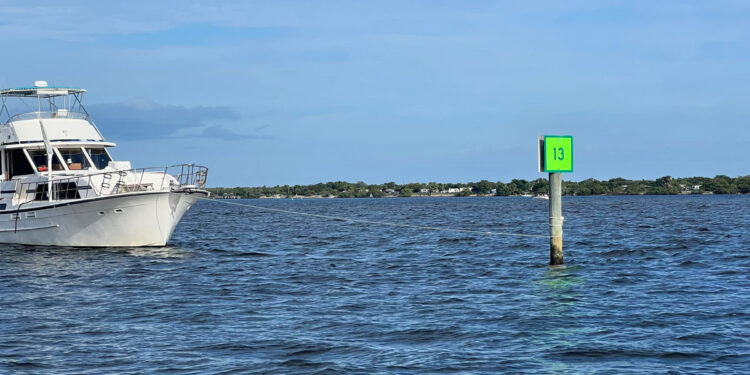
74, 158
39, 157
99, 156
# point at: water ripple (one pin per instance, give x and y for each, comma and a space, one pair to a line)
651, 285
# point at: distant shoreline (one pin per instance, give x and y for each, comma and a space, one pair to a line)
517, 187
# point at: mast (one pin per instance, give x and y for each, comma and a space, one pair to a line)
47, 144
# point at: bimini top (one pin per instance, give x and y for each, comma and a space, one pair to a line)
54, 120
44, 92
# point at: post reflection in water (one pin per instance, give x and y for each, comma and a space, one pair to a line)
556, 314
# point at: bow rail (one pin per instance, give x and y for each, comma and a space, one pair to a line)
178, 177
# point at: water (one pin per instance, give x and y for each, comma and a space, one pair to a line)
650, 285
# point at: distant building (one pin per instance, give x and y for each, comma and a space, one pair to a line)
456, 190
424, 191
390, 191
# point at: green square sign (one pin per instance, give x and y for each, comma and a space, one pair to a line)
558, 153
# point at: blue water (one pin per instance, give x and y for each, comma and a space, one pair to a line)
650, 285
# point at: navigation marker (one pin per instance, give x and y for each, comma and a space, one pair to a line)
555, 157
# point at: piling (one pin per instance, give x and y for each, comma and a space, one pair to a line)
555, 219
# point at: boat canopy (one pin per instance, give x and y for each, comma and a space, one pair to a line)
59, 117
43, 92
52, 101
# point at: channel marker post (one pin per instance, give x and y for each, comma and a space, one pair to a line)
555, 158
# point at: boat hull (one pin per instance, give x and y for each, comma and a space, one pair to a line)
134, 219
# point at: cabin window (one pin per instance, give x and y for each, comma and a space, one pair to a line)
99, 157
74, 158
18, 163
39, 157
62, 190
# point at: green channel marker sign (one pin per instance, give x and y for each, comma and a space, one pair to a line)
557, 155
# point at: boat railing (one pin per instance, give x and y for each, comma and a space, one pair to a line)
191, 175
49, 115
108, 183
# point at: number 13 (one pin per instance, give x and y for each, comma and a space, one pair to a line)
558, 155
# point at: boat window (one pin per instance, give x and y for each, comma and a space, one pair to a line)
18, 163
74, 158
62, 190
99, 156
39, 157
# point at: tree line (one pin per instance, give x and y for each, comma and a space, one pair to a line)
617, 186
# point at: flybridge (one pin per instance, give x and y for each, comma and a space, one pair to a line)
50, 101
42, 114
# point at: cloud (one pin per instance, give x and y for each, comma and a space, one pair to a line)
216, 132
143, 119
199, 34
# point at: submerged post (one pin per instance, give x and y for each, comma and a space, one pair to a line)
555, 219
555, 157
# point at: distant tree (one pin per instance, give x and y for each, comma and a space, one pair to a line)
433, 187
376, 191
539, 186
664, 185
616, 185
743, 184
520, 185
483, 187
595, 187
503, 189
346, 194
722, 184
390, 185
464, 193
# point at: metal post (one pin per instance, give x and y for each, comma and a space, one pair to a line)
4, 165
555, 219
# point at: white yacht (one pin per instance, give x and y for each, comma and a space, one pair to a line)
60, 185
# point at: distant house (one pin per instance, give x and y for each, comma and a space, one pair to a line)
493, 191
690, 188
456, 190
390, 191
424, 191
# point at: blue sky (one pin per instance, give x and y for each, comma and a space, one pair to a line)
299, 92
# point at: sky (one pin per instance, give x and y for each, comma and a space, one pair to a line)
300, 92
